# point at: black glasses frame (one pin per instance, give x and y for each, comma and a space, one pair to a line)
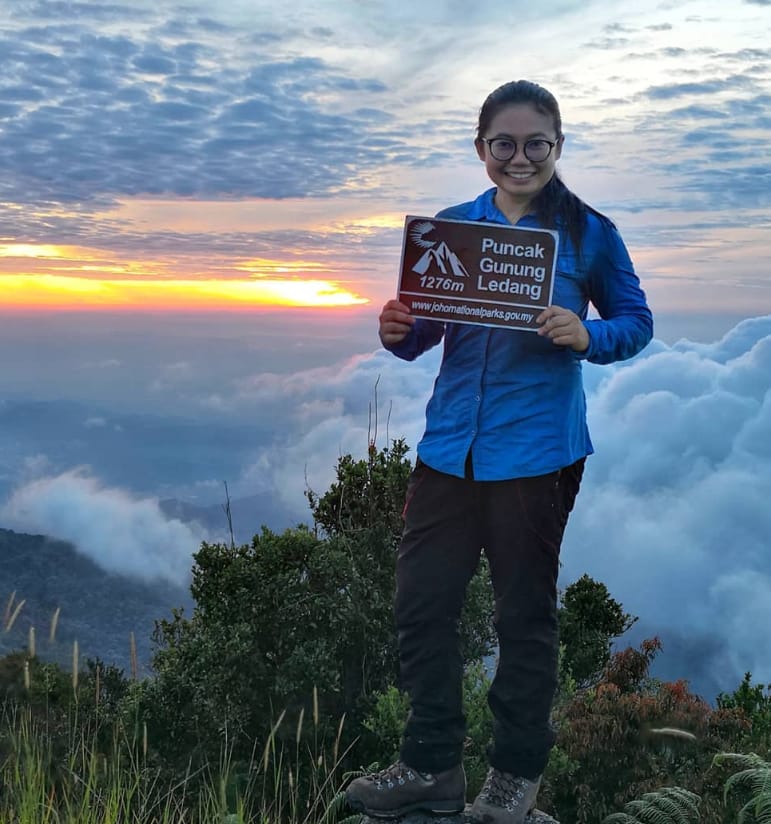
491, 140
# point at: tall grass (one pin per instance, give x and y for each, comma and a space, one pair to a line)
55, 767
58, 773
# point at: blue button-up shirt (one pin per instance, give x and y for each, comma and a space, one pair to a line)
512, 398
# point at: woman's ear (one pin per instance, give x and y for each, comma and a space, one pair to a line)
480, 146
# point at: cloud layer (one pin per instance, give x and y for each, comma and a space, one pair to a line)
119, 532
673, 515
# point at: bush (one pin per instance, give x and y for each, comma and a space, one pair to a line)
631, 735
290, 613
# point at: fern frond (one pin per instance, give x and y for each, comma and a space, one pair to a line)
743, 760
637, 808
756, 777
758, 809
762, 810
669, 805
678, 807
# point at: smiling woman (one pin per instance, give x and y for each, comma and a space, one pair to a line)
29, 292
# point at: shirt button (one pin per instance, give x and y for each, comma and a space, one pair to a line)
477, 398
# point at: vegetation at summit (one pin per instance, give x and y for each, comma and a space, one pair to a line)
281, 679
590, 620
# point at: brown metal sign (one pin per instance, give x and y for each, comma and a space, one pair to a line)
470, 272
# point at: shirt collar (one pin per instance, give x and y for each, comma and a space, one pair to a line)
484, 208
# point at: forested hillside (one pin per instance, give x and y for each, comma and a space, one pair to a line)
97, 609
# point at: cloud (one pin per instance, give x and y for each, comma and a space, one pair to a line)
673, 515
89, 116
119, 532
106, 104
736, 83
107, 108
328, 412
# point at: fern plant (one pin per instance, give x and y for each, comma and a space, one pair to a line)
336, 812
754, 775
669, 805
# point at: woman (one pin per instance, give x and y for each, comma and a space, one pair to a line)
498, 470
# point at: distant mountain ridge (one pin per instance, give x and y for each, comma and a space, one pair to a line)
98, 609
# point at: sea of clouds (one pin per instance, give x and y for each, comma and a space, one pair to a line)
673, 514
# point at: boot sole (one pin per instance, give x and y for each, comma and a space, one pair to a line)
440, 807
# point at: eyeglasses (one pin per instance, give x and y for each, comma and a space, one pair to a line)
504, 148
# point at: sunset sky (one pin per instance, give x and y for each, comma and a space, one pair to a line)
188, 156
201, 213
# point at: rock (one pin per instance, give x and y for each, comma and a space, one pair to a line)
536, 817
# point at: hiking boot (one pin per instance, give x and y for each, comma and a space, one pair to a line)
399, 790
505, 798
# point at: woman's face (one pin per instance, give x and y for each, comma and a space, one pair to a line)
519, 179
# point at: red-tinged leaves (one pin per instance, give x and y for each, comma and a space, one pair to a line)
632, 734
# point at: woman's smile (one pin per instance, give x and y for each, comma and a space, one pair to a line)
519, 175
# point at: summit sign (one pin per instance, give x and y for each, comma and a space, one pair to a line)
471, 272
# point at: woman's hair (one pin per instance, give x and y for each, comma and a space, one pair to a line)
555, 205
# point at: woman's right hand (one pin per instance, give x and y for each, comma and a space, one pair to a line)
395, 323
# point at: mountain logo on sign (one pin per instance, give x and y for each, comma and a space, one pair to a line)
436, 261
441, 260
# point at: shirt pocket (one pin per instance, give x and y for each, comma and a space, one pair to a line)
570, 291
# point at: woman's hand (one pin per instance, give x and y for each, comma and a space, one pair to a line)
395, 322
563, 328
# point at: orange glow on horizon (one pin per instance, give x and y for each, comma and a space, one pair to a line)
262, 266
27, 292
29, 250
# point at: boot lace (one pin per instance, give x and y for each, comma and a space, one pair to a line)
397, 774
505, 790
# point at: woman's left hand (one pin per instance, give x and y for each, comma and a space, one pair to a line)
563, 328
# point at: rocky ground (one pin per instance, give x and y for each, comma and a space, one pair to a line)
536, 817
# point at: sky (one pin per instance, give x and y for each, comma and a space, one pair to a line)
201, 214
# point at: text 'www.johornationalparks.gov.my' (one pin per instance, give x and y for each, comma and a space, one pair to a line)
481, 312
